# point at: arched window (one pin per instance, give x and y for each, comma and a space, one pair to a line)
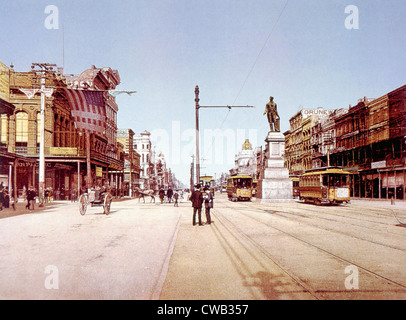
22, 127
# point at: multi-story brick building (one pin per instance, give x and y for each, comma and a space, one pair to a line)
371, 144
298, 144
80, 129
132, 165
142, 144
367, 139
323, 139
22, 129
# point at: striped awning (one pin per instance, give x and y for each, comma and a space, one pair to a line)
88, 110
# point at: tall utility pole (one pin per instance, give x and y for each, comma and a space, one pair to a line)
197, 134
192, 165
45, 68
197, 107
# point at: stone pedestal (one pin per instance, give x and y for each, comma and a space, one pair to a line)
275, 185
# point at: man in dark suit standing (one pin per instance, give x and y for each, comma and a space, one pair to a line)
197, 202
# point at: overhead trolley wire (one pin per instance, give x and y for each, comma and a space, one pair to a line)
252, 67
262, 49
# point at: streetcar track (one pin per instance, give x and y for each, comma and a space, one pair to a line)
352, 212
234, 257
335, 256
346, 233
300, 282
354, 218
320, 216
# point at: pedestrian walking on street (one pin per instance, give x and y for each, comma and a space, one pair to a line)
30, 198
50, 195
197, 202
6, 201
208, 204
176, 196
169, 194
46, 195
162, 195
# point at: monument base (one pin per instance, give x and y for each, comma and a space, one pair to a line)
275, 185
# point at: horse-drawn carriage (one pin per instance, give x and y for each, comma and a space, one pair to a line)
96, 197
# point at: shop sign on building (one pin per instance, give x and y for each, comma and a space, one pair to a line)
378, 164
99, 171
63, 151
320, 113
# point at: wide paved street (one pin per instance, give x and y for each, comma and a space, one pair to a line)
119, 256
252, 251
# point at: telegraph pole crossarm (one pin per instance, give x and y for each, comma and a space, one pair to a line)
197, 107
229, 107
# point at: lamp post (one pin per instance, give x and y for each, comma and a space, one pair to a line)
197, 107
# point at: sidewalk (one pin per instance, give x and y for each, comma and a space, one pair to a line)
385, 203
20, 209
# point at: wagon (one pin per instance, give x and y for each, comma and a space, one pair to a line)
96, 198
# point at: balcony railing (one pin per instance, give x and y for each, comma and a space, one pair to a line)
21, 149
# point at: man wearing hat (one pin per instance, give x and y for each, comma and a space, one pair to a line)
197, 202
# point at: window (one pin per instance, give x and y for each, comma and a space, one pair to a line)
4, 129
22, 127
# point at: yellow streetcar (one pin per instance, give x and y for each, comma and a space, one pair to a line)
295, 185
325, 185
239, 187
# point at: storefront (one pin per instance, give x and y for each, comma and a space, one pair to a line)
393, 181
382, 183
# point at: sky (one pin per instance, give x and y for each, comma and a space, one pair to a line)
306, 54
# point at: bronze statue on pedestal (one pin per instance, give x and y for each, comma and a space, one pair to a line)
272, 114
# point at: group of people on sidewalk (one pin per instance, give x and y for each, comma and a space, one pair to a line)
199, 198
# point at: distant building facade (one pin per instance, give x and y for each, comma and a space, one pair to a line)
142, 145
368, 140
298, 148
245, 160
132, 164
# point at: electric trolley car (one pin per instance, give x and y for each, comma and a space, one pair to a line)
295, 185
239, 187
325, 185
